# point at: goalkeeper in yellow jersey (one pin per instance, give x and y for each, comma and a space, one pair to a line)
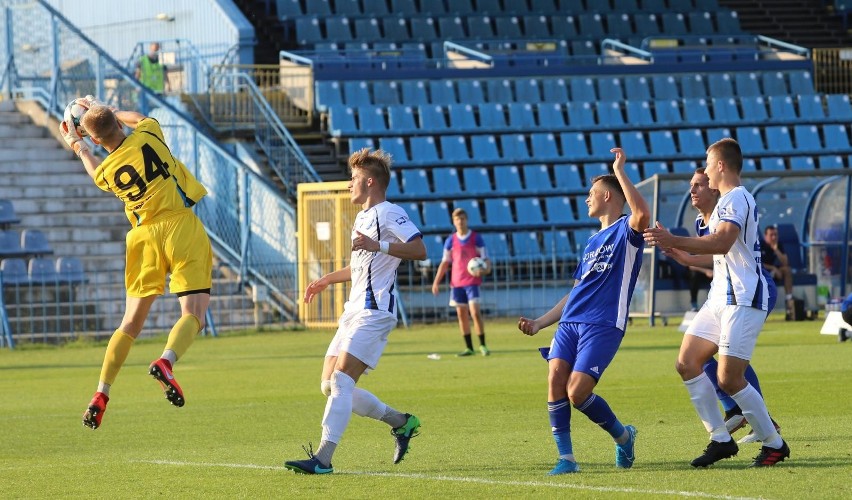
166, 237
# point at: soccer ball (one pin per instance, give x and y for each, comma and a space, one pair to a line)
74, 113
476, 264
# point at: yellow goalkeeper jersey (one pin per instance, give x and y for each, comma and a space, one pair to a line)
152, 183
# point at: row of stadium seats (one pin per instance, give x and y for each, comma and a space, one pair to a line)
520, 246
29, 242
563, 90
290, 9
317, 29
595, 146
46, 271
554, 117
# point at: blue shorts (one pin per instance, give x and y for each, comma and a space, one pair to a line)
461, 296
587, 348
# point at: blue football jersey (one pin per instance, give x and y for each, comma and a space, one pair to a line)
606, 277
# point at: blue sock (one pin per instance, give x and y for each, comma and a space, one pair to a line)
600, 413
560, 423
751, 376
710, 368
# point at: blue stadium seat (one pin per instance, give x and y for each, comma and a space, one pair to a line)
749, 165
610, 89
593, 170
684, 167
789, 239
395, 28
772, 164
386, 92
574, 146
751, 141
289, 9
647, 23
434, 247
376, 8
558, 244
521, 116
42, 270
567, 177
415, 183
564, 27
423, 29
781, 109
479, 27
810, 108
403, 7
631, 168
629, 6
432, 119
7, 214
436, 216
471, 92
747, 84
529, 211
555, 90
693, 85
839, 107
462, 117
69, 270
774, 83
537, 178
424, 151
696, 111
498, 212
451, 28
308, 31
434, 7
454, 149
10, 244
359, 143
544, 147
329, 94
474, 215
581, 115
807, 138
754, 108
701, 23
639, 113
367, 29
602, 142
801, 83
590, 25
543, 6
525, 247
499, 91
691, 142
497, 246
461, 7
728, 23
401, 119
356, 93
476, 181
395, 146
508, 27
393, 191
507, 179
650, 168
338, 29
492, 116
414, 92
536, 26
618, 25
720, 85
341, 121
836, 138
551, 116
484, 148
662, 143
446, 181
668, 112
528, 90
559, 210
609, 115
674, 23
583, 211
830, 161
582, 89
34, 242
14, 271
371, 119
665, 87
442, 92
725, 110
715, 134
802, 163
514, 147
637, 88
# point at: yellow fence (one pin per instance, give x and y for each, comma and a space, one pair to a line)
325, 219
833, 70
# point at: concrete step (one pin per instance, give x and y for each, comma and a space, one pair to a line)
34, 179
7, 143
14, 118
69, 164
50, 192
48, 221
24, 130
38, 153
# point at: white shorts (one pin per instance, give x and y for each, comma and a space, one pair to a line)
362, 333
733, 328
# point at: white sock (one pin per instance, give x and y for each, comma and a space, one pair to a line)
366, 404
104, 388
170, 355
338, 408
754, 411
703, 398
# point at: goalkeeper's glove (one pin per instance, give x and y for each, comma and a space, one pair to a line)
72, 138
92, 101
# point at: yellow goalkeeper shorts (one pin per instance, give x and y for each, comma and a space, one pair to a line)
178, 245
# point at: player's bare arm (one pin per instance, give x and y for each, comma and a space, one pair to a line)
718, 243
640, 213
318, 285
410, 250
687, 259
439, 276
532, 326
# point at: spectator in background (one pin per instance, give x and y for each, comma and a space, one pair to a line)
151, 72
775, 261
459, 249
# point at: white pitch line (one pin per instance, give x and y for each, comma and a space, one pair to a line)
426, 477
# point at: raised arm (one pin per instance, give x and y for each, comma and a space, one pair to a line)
640, 213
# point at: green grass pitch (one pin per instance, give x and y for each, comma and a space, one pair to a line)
253, 400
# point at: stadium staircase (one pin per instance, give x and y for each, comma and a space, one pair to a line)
809, 23
51, 191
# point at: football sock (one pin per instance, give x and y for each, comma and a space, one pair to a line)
560, 424
751, 377
338, 407
703, 398
116, 353
754, 411
468, 342
170, 356
182, 335
325, 451
599, 412
711, 368
366, 404
104, 388
481, 339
